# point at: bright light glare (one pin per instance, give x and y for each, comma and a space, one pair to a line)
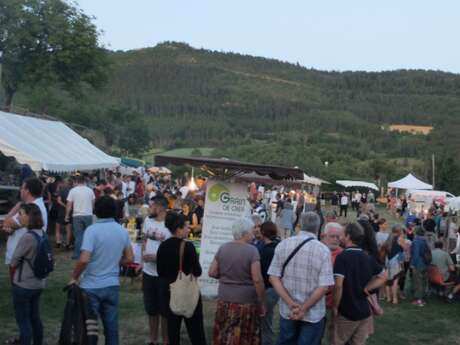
192, 185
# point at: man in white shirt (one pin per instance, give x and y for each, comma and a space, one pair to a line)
31, 192
355, 201
371, 197
81, 201
184, 191
344, 205
124, 187
358, 197
130, 186
154, 231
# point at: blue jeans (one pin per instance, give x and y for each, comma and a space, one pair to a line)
26, 309
271, 300
104, 302
300, 332
79, 224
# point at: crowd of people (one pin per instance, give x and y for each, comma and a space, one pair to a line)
327, 278
69, 201
78, 210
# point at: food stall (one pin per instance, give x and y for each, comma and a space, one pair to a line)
226, 201
410, 182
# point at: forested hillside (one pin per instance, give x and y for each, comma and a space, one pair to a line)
268, 111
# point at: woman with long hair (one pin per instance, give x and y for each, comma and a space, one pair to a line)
393, 250
27, 288
369, 245
140, 188
168, 268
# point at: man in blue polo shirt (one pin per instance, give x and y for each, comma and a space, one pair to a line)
356, 273
105, 247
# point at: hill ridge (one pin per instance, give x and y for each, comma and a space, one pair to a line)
264, 110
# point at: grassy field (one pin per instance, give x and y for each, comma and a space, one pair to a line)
188, 151
435, 324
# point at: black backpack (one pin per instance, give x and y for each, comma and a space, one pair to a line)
43, 264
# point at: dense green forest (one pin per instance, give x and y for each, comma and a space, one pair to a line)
268, 111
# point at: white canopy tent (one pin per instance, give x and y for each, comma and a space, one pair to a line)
313, 180
254, 177
348, 183
409, 182
49, 145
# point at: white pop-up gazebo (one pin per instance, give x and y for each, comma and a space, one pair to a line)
409, 182
49, 145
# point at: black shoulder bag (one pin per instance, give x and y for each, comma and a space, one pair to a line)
294, 252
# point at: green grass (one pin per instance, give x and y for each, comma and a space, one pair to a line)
182, 152
435, 324
187, 151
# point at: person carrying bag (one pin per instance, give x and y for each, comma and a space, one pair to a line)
178, 268
185, 291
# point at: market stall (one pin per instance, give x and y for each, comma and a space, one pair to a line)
227, 168
226, 201
409, 182
418, 202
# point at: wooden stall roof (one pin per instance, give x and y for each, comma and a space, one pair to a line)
227, 168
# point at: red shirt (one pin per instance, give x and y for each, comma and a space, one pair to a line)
329, 294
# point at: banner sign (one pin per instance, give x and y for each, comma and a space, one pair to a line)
225, 203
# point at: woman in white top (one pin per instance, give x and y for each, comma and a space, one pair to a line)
382, 235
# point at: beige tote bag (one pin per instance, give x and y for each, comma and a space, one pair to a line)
185, 291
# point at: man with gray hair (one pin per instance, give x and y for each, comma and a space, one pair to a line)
332, 236
301, 273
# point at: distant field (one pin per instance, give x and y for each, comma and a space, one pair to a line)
188, 151
183, 152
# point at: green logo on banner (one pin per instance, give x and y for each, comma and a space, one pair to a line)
215, 192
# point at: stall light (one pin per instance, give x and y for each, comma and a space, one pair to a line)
192, 185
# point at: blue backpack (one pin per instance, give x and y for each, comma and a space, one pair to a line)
43, 264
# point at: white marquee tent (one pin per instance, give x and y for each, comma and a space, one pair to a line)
49, 145
313, 180
348, 183
254, 177
409, 182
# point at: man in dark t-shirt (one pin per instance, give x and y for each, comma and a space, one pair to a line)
429, 224
356, 273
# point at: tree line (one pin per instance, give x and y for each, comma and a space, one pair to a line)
248, 108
